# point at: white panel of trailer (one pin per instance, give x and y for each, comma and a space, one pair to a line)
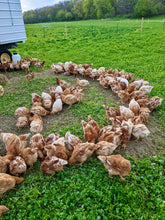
12, 28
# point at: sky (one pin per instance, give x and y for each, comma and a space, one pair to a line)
33, 4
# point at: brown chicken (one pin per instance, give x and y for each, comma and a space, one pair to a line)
51, 165
117, 121
22, 122
91, 130
81, 153
104, 148
57, 150
30, 76
71, 99
13, 143
111, 112
58, 68
126, 112
37, 142
39, 110
39, 65
4, 161
71, 140
46, 100
150, 103
124, 95
36, 124
8, 182
30, 156
140, 131
61, 82
60, 140
22, 111
51, 138
36, 98
3, 209
134, 107
17, 166
116, 165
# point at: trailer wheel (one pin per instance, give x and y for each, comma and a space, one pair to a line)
5, 56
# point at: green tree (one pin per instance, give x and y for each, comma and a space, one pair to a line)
60, 16
89, 9
104, 8
145, 8
78, 9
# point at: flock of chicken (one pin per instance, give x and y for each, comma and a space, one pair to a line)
56, 151
23, 64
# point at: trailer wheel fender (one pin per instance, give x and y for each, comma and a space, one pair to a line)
5, 56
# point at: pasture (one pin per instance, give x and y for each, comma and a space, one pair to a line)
86, 192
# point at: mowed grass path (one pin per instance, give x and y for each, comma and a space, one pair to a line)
87, 192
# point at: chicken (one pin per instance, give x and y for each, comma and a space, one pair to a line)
51, 165
39, 110
60, 141
30, 156
126, 130
36, 98
3, 209
57, 150
61, 83
86, 66
46, 100
81, 153
144, 114
112, 136
36, 124
91, 130
13, 143
1, 91
37, 142
51, 138
82, 83
22, 111
8, 182
22, 122
123, 82
116, 165
39, 65
71, 99
71, 140
59, 89
25, 66
140, 131
145, 89
30, 76
126, 112
52, 92
58, 68
111, 112
150, 103
4, 161
134, 107
124, 96
104, 148
94, 73
135, 85
117, 121
17, 166
57, 105
68, 67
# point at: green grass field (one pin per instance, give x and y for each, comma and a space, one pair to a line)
87, 192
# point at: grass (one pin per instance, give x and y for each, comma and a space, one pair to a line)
87, 192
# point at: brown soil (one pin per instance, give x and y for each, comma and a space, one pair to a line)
152, 145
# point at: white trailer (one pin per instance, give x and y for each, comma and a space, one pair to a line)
12, 28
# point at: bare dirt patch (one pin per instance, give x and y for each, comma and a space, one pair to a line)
154, 144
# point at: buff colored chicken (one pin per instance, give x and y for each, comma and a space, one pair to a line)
36, 124
22, 111
1, 90
39, 110
58, 68
71, 99
140, 131
13, 143
3, 209
8, 182
104, 148
30, 156
71, 140
37, 142
4, 161
82, 83
22, 122
60, 140
17, 166
51, 165
81, 153
116, 165
91, 130
46, 100
134, 107
126, 112
57, 150
51, 138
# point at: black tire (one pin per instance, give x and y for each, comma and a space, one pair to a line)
5, 56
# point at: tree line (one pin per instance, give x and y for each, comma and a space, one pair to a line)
95, 9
